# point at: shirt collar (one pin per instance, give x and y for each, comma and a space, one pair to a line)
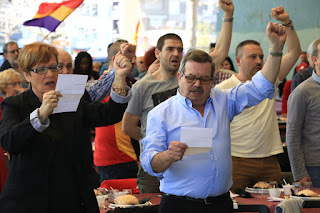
315, 76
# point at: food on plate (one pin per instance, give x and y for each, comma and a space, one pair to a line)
97, 192
126, 200
308, 193
262, 185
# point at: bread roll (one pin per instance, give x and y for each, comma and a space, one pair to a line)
97, 192
308, 193
126, 200
262, 185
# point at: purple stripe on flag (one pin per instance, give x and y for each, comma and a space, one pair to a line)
47, 22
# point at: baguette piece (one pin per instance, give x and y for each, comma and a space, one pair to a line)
262, 185
126, 200
308, 193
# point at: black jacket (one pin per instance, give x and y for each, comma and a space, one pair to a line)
5, 65
50, 171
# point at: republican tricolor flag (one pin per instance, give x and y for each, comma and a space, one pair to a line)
50, 15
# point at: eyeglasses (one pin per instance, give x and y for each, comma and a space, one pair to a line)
14, 51
44, 70
193, 79
68, 65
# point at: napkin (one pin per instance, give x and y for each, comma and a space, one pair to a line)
290, 206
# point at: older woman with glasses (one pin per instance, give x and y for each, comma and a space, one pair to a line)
10, 85
51, 155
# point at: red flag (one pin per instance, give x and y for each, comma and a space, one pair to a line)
50, 15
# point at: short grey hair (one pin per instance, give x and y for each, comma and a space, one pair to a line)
313, 48
5, 46
197, 56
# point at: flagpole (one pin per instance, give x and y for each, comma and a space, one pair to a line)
44, 38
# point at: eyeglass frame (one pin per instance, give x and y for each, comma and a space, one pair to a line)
13, 51
195, 79
47, 69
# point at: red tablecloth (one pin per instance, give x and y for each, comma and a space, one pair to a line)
258, 200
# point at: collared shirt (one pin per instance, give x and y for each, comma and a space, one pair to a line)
301, 77
255, 131
221, 76
207, 174
303, 129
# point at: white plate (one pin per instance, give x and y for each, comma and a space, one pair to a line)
256, 191
275, 199
112, 205
305, 198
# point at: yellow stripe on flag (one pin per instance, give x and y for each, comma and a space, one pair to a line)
42, 15
62, 12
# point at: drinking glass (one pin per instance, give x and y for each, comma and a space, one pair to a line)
263, 192
307, 185
297, 187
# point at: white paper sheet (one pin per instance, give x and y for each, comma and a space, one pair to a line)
199, 140
72, 89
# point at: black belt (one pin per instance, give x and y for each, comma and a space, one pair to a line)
208, 200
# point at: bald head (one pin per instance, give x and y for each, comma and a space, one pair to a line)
65, 59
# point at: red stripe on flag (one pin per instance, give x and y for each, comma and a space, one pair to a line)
47, 7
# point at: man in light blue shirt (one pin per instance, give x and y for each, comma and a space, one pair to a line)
201, 181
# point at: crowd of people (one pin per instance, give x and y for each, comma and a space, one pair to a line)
139, 109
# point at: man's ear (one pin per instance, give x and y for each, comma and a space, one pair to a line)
157, 53
179, 75
238, 60
315, 60
5, 55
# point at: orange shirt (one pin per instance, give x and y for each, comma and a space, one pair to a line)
112, 146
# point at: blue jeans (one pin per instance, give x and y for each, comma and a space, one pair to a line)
314, 172
118, 171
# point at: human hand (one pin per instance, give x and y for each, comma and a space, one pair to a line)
305, 179
49, 102
154, 66
280, 14
121, 64
176, 151
228, 7
129, 51
277, 36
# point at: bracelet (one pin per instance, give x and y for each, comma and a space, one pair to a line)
289, 24
118, 89
227, 19
286, 25
275, 53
